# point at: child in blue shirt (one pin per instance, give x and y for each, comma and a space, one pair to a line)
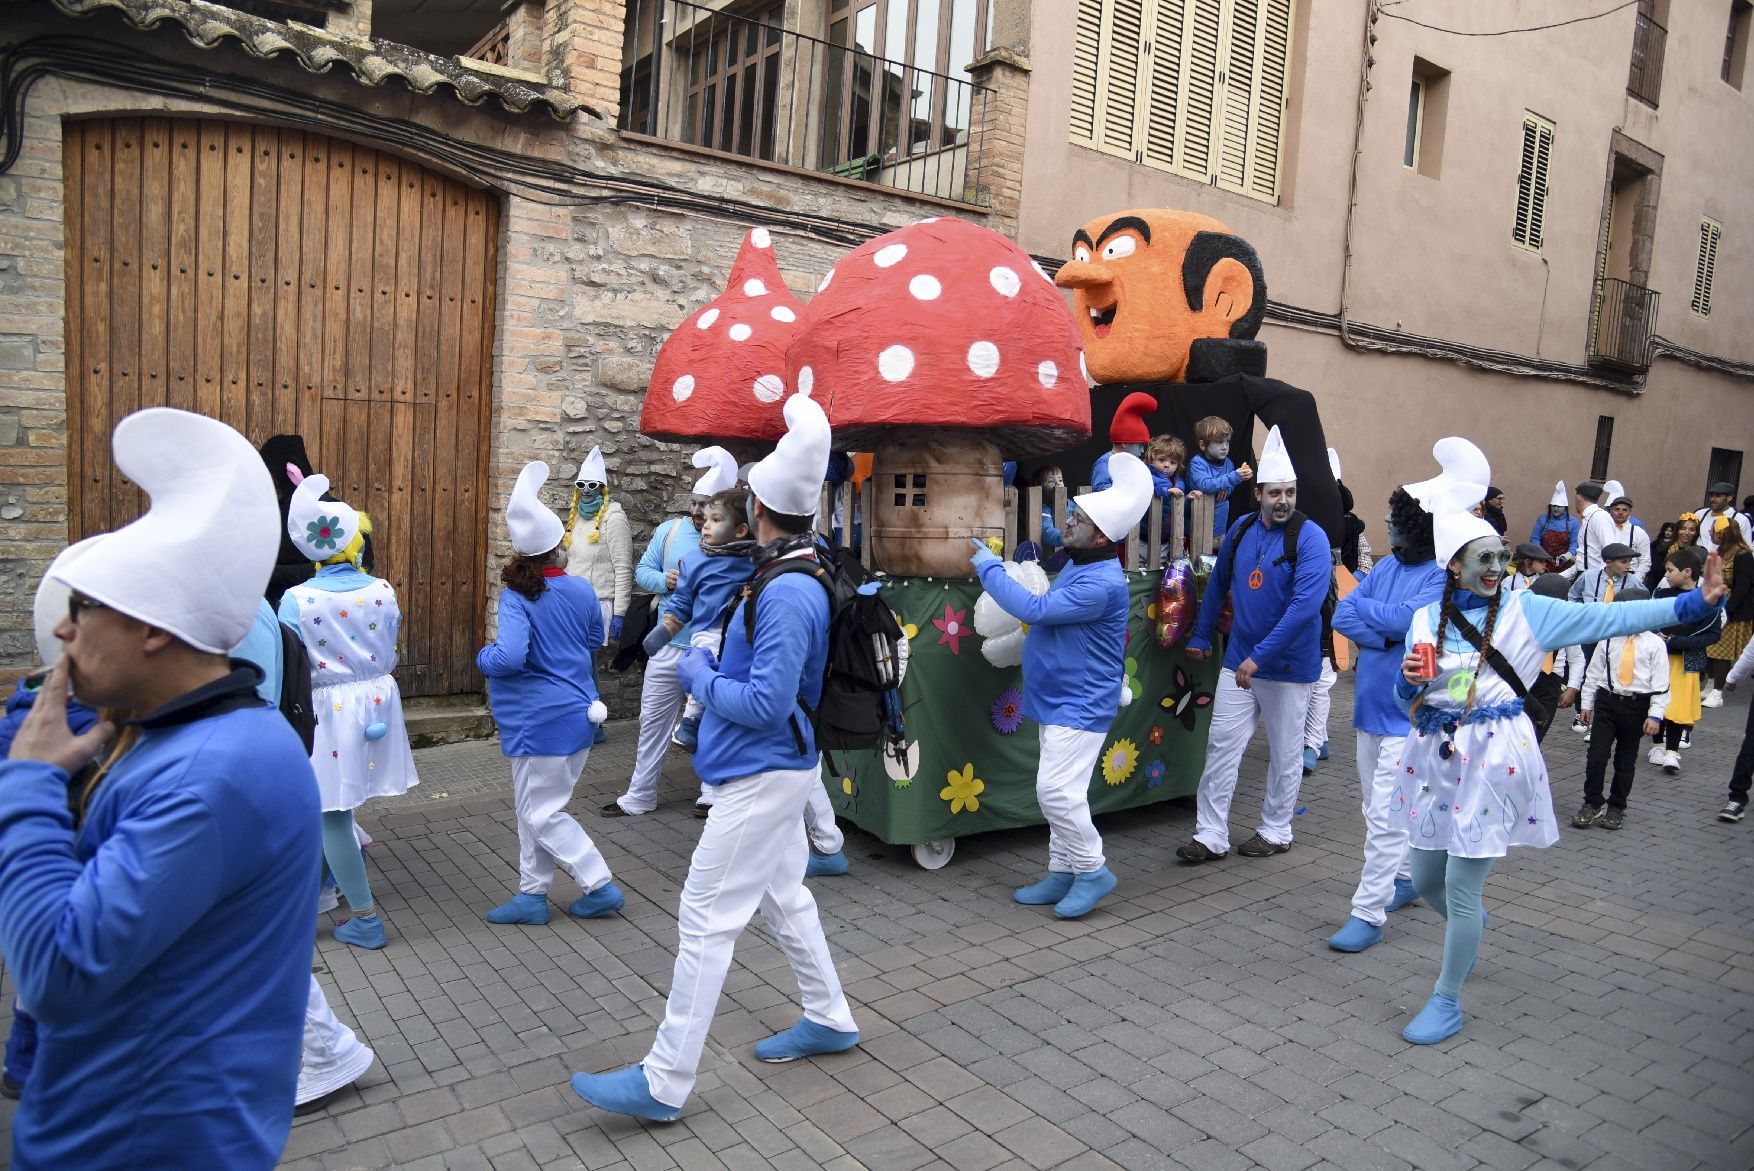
1212, 472
1166, 457
708, 579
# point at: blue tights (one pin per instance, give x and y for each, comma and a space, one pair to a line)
341, 852
1452, 887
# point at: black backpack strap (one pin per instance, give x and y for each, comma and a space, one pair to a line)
1493, 657
1293, 529
1235, 538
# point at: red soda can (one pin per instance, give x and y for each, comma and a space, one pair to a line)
1427, 654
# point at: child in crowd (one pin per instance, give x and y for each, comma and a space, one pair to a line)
708, 579
1602, 584
1742, 774
1167, 457
1212, 472
1531, 562
1687, 645
1625, 695
1561, 671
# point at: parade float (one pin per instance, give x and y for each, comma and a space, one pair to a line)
944, 351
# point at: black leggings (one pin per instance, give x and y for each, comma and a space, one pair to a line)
1718, 670
1670, 736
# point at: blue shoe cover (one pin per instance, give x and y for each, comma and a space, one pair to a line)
804, 1039
1087, 890
1355, 936
598, 735
1309, 760
687, 734
1051, 889
521, 908
826, 865
366, 933
605, 900
1404, 894
623, 1091
1322, 753
1440, 1018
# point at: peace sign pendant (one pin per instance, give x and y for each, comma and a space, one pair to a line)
1255, 579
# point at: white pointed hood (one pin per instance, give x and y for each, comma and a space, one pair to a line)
196, 564
1116, 509
1275, 465
593, 470
1462, 463
532, 524
319, 528
721, 472
1561, 498
1453, 527
1612, 491
789, 479
51, 603
1334, 464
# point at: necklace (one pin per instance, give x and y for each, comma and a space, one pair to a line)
1256, 578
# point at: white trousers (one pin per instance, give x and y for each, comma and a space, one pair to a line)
660, 702
1321, 702
1282, 707
1062, 789
333, 1057
751, 857
547, 833
708, 639
1385, 826
819, 824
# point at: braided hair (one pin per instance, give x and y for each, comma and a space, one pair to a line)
1447, 610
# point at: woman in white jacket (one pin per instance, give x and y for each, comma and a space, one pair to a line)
599, 544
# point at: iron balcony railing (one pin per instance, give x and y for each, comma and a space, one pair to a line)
1649, 38
746, 85
1626, 317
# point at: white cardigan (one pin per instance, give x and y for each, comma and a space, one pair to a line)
607, 565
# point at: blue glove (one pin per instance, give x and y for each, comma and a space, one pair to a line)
615, 625
983, 556
696, 662
656, 639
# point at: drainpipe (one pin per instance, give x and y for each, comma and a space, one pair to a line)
1366, 60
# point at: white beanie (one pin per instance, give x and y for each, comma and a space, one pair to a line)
721, 472
532, 524
593, 470
789, 478
1560, 498
1275, 462
1116, 509
196, 564
319, 528
1453, 526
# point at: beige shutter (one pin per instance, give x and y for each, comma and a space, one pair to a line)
1123, 32
1086, 56
1255, 53
1531, 182
1201, 43
1272, 61
1710, 232
1163, 88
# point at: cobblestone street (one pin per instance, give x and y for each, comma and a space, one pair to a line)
1196, 1020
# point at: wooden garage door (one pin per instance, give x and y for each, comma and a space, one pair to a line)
288, 282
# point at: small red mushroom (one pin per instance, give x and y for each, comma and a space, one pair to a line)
721, 374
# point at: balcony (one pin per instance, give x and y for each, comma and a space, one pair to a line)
1649, 38
745, 85
1625, 317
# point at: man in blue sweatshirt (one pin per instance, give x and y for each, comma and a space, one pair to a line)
1073, 671
1272, 658
161, 931
1376, 616
757, 748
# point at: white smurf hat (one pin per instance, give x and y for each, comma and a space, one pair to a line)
1453, 526
51, 604
1612, 491
593, 470
319, 528
1560, 497
721, 472
1116, 509
1275, 462
212, 506
789, 479
1334, 464
532, 524
1462, 463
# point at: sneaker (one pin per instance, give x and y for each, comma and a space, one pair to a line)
1196, 852
1613, 817
1732, 810
327, 899
1587, 815
1712, 698
702, 810
1259, 847
1656, 754
687, 733
1686, 739
1580, 726
1671, 763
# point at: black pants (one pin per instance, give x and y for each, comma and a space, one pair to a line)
1743, 772
1546, 692
1617, 728
1669, 735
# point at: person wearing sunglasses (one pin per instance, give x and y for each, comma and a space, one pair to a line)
599, 549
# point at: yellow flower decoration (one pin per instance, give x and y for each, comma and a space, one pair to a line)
1118, 761
964, 790
908, 629
846, 785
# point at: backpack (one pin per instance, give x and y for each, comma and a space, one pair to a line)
860, 705
295, 687
1293, 529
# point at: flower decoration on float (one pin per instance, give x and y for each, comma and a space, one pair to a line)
963, 790
1007, 711
1118, 761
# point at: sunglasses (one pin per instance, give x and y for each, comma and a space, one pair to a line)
79, 602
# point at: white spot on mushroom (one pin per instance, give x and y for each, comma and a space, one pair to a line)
925, 288
983, 359
754, 288
826, 277
683, 387
769, 388
740, 332
895, 363
705, 321
781, 313
760, 238
1005, 280
888, 257
806, 381
1049, 374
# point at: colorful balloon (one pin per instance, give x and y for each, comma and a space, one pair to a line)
1176, 603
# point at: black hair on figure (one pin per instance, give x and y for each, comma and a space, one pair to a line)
1205, 250
1414, 525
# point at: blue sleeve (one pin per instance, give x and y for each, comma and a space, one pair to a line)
1536, 530
1208, 479
1099, 477
75, 933
289, 611
1049, 534
1558, 624
1309, 589
649, 573
1079, 600
1575, 593
507, 653
681, 603
1212, 601
1368, 620
776, 669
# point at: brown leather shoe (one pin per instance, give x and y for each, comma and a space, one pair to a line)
1259, 847
1196, 852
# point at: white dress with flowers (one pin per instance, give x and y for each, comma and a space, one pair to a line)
351, 639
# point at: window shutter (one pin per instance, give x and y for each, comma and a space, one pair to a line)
1203, 21
1086, 53
1710, 232
1163, 94
1118, 94
1531, 182
1272, 61
1256, 49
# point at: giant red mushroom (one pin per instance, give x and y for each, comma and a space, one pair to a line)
943, 349
721, 375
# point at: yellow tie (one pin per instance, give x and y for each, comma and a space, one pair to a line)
1609, 596
1628, 660
1547, 664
